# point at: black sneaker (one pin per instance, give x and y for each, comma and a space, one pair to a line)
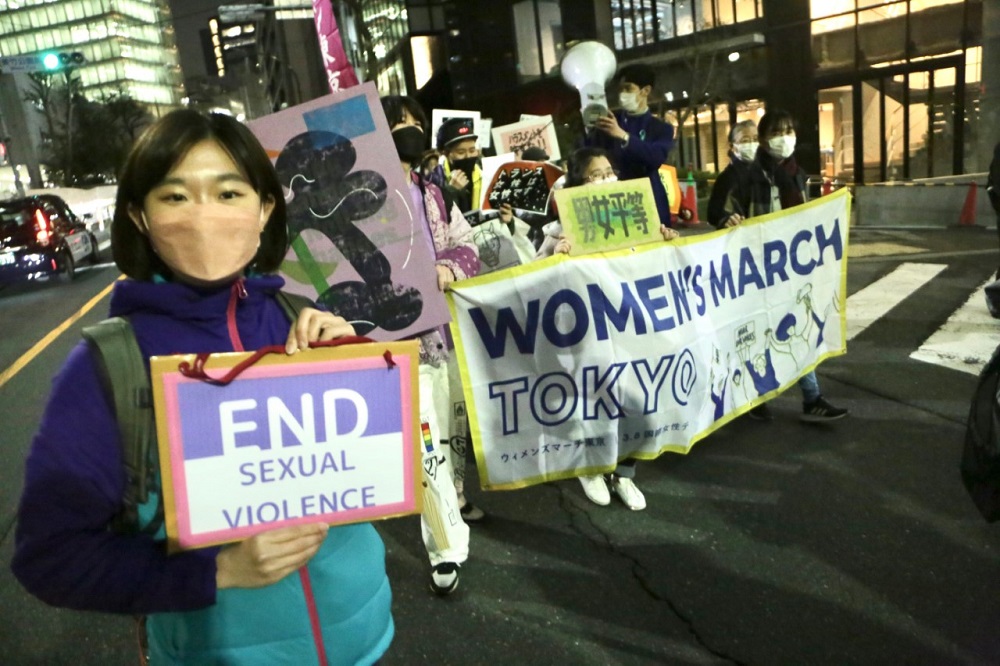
761, 413
820, 411
472, 513
444, 578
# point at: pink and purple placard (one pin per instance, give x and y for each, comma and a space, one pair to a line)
328, 435
359, 245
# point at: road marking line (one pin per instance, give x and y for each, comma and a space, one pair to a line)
966, 341
40, 346
874, 301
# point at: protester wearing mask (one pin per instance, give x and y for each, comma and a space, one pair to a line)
199, 229
591, 166
742, 190
637, 143
459, 174
787, 185
776, 156
457, 258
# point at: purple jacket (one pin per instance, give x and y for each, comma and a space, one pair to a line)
455, 248
74, 480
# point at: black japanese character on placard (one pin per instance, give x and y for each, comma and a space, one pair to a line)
328, 197
619, 209
637, 212
600, 210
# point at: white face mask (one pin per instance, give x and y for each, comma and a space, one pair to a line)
746, 151
782, 147
629, 101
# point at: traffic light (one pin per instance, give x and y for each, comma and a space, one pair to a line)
54, 61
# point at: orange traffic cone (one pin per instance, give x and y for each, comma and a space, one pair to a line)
689, 204
967, 217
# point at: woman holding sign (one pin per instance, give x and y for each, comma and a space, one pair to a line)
591, 166
457, 258
199, 229
765, 178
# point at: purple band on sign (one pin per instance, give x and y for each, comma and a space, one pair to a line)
285, 412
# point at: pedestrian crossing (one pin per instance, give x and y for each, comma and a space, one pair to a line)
964, 342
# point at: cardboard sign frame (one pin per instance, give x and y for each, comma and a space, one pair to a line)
179, 485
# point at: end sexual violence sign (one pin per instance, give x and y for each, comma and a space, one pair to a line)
327, 435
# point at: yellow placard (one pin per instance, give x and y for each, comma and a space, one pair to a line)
608, 216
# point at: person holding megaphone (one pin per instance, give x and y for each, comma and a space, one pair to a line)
636, 141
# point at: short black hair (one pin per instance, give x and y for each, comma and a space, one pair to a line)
576, 165
393, 106
158, 150
639, 74
773, 119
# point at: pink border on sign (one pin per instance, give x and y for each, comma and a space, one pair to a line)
187, 539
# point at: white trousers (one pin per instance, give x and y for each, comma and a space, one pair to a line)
446, 536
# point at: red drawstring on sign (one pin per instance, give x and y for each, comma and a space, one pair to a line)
196, 370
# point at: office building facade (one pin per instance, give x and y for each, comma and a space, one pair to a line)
880, 90
128, 44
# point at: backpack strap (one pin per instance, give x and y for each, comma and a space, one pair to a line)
292, 304
125, 379
123, 374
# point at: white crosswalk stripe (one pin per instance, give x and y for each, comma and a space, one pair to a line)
966, 341
874, 301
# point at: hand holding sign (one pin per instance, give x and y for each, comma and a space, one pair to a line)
316, 326
268, 557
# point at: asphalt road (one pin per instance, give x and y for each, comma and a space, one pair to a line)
771, 543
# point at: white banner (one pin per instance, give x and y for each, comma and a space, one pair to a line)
574, 363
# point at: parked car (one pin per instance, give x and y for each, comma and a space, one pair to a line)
39, 237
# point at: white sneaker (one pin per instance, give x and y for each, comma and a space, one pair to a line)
627, 491
596, 489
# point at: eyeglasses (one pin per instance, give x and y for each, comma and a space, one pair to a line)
600, 175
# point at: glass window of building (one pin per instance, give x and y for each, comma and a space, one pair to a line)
538, 33
642, 22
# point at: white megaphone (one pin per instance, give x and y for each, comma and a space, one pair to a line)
588, 67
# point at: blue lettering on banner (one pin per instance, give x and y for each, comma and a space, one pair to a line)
653, 303
553, 397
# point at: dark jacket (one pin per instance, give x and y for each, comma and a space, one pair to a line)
787, 175
74, 481
650, 141
741, 188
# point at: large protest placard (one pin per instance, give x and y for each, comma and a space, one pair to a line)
608, 216
358, 245
329, 434
574, 363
